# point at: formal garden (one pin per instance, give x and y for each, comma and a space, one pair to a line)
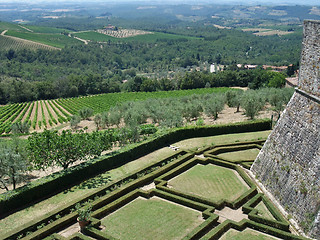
189, 183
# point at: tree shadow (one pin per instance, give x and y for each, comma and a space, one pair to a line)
95, 182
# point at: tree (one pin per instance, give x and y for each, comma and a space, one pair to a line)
13, 164
214, 105
115, 116
276, 80
50, 148
11, 54
98, 121
233, 99
85, 113
20, 127
252, 102
75, 120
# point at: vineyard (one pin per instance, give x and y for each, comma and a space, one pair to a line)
14, 43
123, 33
50, 113
101, 37
55, 40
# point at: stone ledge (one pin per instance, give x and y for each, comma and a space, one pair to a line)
308, 95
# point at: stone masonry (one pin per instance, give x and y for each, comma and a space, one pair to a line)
289, 163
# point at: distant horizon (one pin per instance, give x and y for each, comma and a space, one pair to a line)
232, 2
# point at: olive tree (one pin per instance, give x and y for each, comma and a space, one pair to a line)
20, 127
252, 102
13, 163
233, 99
214, 105
85, 113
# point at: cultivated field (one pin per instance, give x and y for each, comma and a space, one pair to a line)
100, 37
266, 31
8, 42
51, 113
123, 33
51, 39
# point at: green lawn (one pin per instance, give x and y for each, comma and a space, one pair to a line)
263, 211
246, 234
151, 219
210, 181
194, 143
246, 155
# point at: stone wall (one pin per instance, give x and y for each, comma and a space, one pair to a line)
309, 77
289, 163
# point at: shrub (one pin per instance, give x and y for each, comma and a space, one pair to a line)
75, 120
85, 113
20, 127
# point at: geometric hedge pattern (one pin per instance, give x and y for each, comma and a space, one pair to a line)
187, 194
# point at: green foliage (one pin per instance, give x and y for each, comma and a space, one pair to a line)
214, 105
233, 99
50, 148
276, 80
20, 127
98, 121
84, 213
200, 122
75, 120
13, 163
85, 113
252, 102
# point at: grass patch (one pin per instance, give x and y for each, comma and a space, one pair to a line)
152, 218
210, 181
195, 143
247, 234
246, 155
263, 211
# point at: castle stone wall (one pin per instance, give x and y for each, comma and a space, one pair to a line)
309, 77
289, 163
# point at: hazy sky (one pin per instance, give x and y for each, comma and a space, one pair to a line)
262, 2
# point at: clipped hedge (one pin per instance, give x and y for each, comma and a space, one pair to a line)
162, 183
101, 192
280, 222
57, 182
211, 218
218, 231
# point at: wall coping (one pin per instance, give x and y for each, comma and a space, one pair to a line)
308, 95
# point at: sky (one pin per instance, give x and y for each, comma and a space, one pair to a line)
250, 2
